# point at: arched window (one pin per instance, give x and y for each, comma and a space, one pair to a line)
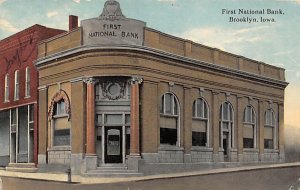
6, 93
169, 120
27, 82
200, 123
59, 114
16, 94
249, 130
226, 127
269, 129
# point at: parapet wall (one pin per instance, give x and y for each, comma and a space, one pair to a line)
161, 41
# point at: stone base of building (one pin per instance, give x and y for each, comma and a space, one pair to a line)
250, 156
59, 155
171, 155
201, 154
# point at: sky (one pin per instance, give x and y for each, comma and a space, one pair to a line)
202, 21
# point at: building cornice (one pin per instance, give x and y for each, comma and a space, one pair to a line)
166, 55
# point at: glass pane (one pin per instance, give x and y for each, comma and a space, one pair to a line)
22, 134
248, 143
168, 104
31, 113
253, 116
127, 119
225, 111
99, 119
175, 106
199, 108
168, 136
13, 117
113, 119
62, 137
194, 109
113, 142
205, 110
198, 138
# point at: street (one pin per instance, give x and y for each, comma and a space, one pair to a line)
272, 178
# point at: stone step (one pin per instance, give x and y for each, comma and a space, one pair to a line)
112, 168
21, 165
18, 169
110, 171
113, 174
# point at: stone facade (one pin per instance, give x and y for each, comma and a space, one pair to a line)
163, 66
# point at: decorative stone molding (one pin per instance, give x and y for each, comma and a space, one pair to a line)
90, 80
201, 91
113, 90
60, 95
136, 80
111, 11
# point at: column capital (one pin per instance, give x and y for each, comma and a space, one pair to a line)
89, 80
136, 80
44, 87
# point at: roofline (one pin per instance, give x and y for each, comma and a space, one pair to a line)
160, 53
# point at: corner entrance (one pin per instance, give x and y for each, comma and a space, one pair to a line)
113, 145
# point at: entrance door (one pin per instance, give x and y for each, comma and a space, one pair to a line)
113, 145
225, 145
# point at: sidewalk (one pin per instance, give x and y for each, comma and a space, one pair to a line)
63, 177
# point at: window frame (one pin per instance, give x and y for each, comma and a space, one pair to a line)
204, 117
272, 124
17, 85
230, 121
6, 88
250, 121
27, 82
175, 113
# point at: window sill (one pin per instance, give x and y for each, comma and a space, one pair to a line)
60, 148
199, 119
250, 150
170, 148
271, 150
168, 115
6, 101
16, 99
60, 116
27, 97
201, 149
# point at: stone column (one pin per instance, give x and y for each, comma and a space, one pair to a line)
281, 132
90, 117
215, 126
135, 153
134, 117
91, 157
260, 128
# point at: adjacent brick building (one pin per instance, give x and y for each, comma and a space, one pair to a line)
18, 95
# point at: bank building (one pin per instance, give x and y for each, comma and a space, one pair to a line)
117, 97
